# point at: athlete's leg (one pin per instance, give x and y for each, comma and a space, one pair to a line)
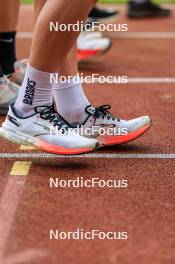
54, 46
8, 22
69, 66
38, 5
9, 15
50, 49
69, 97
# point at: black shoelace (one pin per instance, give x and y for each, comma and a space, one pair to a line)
103, 111
48, 114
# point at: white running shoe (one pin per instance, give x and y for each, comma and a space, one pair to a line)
36, 130
91, 35
100, 44
8, 94
89, 48
109, 130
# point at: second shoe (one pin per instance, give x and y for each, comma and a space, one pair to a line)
109, 130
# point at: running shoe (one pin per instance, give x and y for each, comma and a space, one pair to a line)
89, 48
36, 130
146, 9
104, 16
109, 130
91, 35
8, 94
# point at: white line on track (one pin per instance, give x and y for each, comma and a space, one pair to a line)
160, 80
154, 35
89, 156
151, 80
26, 256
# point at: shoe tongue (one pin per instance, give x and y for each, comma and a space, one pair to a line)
90, 110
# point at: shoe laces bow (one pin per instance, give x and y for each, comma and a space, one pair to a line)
48, 114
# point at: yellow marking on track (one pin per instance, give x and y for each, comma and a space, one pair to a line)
20, 168
25, 147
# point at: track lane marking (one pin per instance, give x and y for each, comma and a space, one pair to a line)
9, 203
8, 207
89, 156
151, 80
26, 147
26, 256
20, 168
141, 80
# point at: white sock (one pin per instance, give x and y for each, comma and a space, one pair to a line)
139, 1
70, 100
36, 90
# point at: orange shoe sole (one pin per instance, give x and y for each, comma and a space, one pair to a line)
117, 140
87, 54
42, 145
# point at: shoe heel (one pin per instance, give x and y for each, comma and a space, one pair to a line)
14, 137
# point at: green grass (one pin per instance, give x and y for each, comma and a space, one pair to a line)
27, 1
111, 1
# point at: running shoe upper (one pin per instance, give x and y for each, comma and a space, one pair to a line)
100, 14
41, 124
101, 119
101, 44
146, 9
